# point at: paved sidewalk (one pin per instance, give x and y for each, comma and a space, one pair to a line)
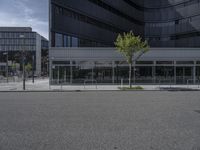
43, 85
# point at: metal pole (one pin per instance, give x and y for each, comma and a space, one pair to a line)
24, 85
194, 74
50, 72
47, 68
7, 67
183, 75
134, 70
58, 73
33, 60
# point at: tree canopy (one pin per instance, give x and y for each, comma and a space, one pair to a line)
128, 44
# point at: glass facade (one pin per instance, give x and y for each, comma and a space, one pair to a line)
15, 40
172, 23
11, 41
163, 23
91, 29
113, 72
62, 40
58, 40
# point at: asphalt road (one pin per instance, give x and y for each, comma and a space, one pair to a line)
100, 121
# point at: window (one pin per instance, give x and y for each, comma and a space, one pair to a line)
74, 42
67, 41
58, 40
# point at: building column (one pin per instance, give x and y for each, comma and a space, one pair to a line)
50, 71
58, 75
71, 72
65, 74
194, 73
174, 72
154, 72
152, 68
38, 56
183, 75
47, 67
113, 72
92, 73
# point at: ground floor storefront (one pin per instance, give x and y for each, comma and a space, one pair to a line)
106, 66
112, 72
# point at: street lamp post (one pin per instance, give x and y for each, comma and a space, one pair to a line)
23, 63
6, 65
33, 60
24, 80
47, 67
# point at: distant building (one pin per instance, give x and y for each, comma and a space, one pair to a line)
15, 40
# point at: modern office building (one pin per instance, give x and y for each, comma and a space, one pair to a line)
81, 31
15, 40
172, 23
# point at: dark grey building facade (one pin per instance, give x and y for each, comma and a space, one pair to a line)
92, 23
172, 23
96, 23
15, 40
82, 30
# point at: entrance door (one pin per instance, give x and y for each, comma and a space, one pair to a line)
64, 74
183, 74
61, 75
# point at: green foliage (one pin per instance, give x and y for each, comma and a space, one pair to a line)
128, 44
14, 66
28, 67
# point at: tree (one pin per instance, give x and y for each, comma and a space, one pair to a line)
14, 67
129, 45
28, 68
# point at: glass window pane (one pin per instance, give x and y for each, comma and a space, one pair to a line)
67, 41
58, 40
74, 42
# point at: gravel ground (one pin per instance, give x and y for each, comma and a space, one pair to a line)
100, 121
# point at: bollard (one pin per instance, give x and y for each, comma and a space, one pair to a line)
122, 82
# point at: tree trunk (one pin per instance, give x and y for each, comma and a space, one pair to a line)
130, 75
134, 70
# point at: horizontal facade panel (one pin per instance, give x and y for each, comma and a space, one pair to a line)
92, 10
126, 8
83, 30
112, 54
